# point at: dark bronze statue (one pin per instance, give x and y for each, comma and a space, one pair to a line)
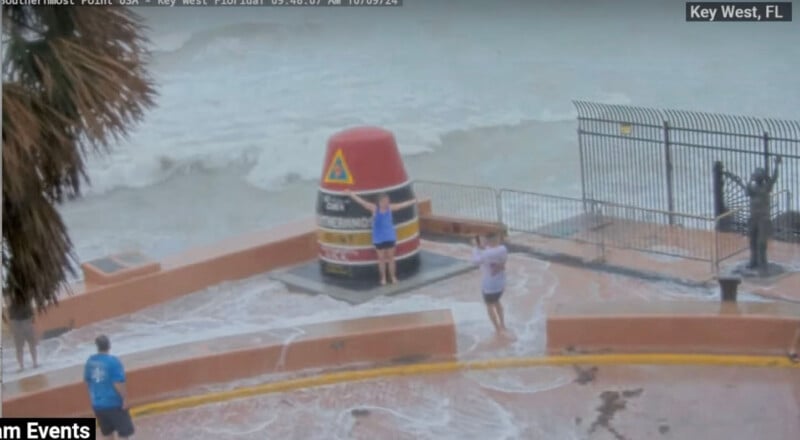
759, 225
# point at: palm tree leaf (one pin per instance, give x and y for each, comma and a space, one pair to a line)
74, 80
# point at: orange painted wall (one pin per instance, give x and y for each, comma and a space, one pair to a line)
232, 259
419, 336
183, 274
674, 327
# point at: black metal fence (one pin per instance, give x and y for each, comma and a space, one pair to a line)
584, 221
663, 159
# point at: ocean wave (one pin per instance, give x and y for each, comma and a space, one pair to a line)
292, 154
114, 173
172, 43
261, 98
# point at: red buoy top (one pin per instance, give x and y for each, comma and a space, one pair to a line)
362, 159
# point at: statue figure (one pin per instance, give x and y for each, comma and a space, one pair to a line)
759, 225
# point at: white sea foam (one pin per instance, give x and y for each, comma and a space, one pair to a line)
261, 92
408, 408
255, 304
259, 304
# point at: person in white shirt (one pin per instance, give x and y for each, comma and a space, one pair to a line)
491, 255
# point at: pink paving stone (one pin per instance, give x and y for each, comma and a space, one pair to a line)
258, 303
614, 402
546, 403
683, 402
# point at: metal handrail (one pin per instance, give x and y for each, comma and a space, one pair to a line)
725, 214
576, 199
772, 196
788, 195
715, 257
652, 210
548, 196
459, 185
714, 221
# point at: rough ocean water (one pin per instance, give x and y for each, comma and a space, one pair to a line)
476, 92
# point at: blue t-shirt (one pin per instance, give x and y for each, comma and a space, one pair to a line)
102, 371
383, 227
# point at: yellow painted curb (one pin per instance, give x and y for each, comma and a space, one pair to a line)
404, 231
452, 366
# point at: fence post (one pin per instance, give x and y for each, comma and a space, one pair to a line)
668, 163
583, 166
498, 202
603, 237
598, 215
715, 250
718, 187
765, 139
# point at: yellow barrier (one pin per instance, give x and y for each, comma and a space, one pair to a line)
453, 366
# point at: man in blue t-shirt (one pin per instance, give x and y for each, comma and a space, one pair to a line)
105, 378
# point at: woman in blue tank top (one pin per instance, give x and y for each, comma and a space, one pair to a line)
384, 236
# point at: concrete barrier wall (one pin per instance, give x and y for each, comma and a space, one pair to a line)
669, 326
103, 297
441, 225
183, 274
408, 337
672, 327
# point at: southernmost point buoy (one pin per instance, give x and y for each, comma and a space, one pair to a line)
366, 161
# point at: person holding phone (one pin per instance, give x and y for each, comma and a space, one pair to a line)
491, 255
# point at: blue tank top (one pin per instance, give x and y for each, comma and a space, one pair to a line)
383, 227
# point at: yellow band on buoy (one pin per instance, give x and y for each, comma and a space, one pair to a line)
404, 231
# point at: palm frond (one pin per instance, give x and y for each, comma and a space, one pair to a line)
74, 80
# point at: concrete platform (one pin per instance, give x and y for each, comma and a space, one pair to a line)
587, 403
153, 374
574, 225
118, 285
672, 327
773, 273
308, 278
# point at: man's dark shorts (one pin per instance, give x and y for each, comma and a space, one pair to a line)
114, 420
385, 245
492, 298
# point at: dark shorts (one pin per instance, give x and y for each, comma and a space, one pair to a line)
23, 331
385, 245
114, 420
492, 298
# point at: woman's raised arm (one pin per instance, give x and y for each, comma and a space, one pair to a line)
365, 204
406, 204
